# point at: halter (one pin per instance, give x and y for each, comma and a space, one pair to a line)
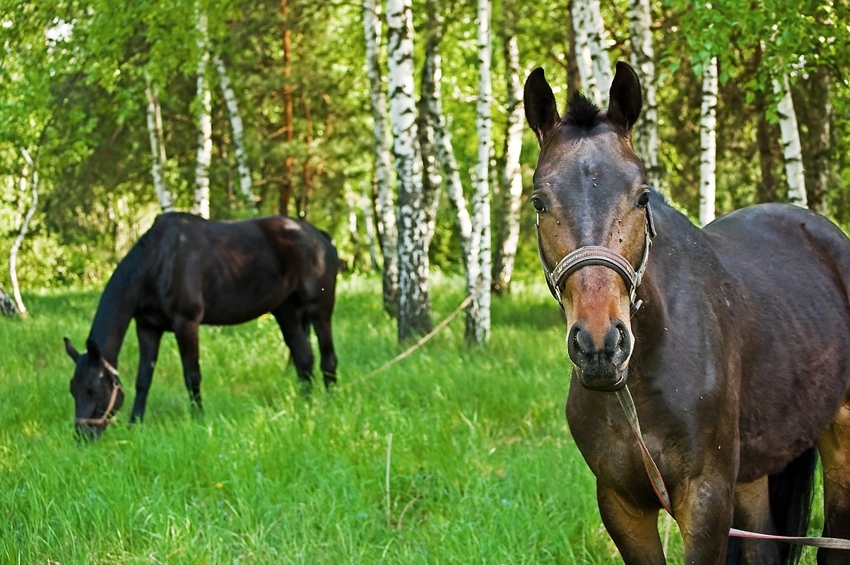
116, 388
599, 255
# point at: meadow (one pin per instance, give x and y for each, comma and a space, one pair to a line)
452, 455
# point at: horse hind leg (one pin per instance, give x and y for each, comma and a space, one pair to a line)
752, 513
320, 318
834, 447
186, 332
295, 332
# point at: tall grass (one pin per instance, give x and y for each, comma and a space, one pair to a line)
453, 455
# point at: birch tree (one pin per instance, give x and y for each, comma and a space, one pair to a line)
792, 152
237, 128
29, 175
414, 310
157, 140
478, 312
643, 56
708, 142
204, 99
384, 203
511, 177
592, 44
432, 179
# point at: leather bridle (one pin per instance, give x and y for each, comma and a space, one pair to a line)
113, 398
599, 255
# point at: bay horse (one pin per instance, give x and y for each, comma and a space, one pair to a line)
734, 341
187, 271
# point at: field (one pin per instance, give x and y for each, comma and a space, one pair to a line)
452, 455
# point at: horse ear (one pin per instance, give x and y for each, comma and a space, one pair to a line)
540, 109
93, 350
72, 351
625, 99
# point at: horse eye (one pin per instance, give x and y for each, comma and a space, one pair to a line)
538, 204
643, 199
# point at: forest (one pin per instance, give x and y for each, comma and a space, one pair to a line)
268, 105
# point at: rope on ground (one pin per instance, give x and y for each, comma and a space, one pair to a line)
423, 340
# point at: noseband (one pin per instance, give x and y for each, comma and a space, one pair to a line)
599, 255
116, 388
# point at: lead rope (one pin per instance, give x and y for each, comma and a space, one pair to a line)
628, 405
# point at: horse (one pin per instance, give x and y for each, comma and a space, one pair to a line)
733, 340
187, 271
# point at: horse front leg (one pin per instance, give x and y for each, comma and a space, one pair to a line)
703, 512
149, 340
633, 528
186, 332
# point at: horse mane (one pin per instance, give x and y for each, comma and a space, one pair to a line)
582, 112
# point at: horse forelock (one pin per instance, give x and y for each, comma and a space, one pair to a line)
582, 112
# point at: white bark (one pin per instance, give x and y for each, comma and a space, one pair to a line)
237, 127
16, 246
511, 180
791, 149
154, 120
413, 304
708, 143
384, 204
202, 169
597, 39
478, 314
643, 55
584, 58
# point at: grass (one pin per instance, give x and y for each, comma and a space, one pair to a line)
453, 455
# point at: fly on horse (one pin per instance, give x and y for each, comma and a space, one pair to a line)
734, 341
187, 271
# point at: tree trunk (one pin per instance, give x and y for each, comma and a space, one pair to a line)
791, 150
511, 178
708, 142
414, 310
766, 134
597, 39
818, 119
16, 246
643, 55
478, 312
154, 120
202, 169
237, 127
307, 172
432, 180
287, 127
583, 54
385, 217
7, 305
574, 84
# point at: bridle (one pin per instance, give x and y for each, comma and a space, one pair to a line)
599, 255
116, 388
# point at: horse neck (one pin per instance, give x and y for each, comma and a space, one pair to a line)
117, 306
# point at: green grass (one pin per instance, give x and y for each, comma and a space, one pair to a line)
482, 468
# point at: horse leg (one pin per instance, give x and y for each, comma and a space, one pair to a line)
704, 515
834, 447
633, 529
186, 332
292, 325
320, 317
752, 513
149, 340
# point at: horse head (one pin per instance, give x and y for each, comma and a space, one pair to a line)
96, 389
593, 220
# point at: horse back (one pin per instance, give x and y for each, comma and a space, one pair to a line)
792, 320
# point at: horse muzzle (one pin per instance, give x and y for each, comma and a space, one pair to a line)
601, 365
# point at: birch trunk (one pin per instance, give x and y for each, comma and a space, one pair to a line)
708, 142
583, 56
432, 180
643, 56
414, 311
597, 40
791, 150
511, 178
154, 120
478, 312
384, 203
237, 127
16, 246
202, 169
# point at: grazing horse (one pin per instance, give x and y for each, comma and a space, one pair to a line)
734, 341
187, 271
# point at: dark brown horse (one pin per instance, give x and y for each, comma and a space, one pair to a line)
738, 359
187, 271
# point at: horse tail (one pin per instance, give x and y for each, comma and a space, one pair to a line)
791, 492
